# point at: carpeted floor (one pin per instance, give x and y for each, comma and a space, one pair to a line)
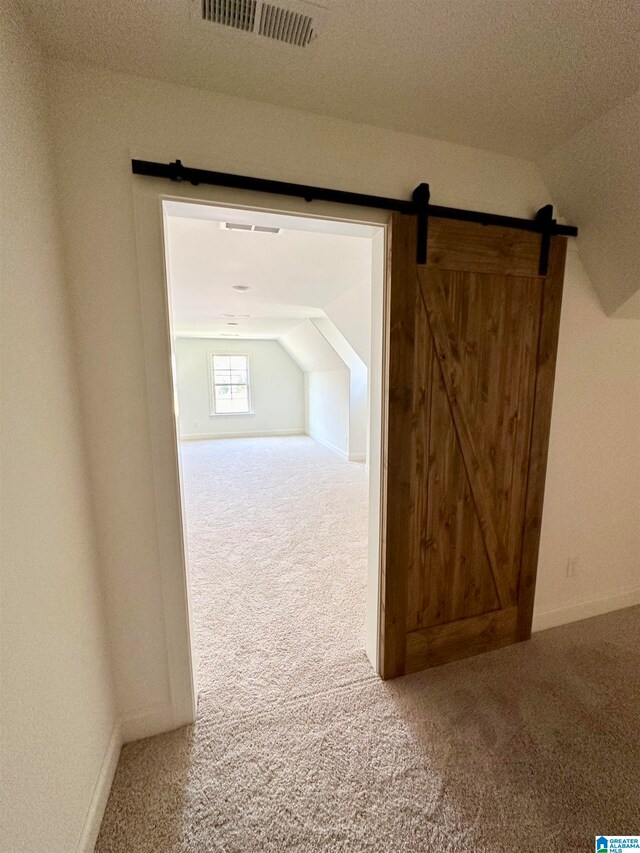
277, 541
298, 746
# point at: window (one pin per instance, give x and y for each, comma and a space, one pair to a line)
230, 385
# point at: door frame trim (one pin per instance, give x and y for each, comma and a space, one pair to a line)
148, 198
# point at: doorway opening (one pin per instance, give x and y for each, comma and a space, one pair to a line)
277, 347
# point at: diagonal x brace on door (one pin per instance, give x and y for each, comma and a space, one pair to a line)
429, 285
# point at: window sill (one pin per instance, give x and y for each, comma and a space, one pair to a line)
231, 414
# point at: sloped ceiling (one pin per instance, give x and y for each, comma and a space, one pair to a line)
341, 344
506, 75
310, 349
594, 178
350, 313
546, 80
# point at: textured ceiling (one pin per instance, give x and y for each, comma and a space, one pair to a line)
513, 76
595, 180
290, 276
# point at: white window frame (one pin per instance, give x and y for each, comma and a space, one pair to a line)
212, 391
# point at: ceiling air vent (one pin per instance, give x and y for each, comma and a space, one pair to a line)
295, 23
284, 25
239, 14
267, 229
255, 229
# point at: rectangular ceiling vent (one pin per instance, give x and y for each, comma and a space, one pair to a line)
295, 23
255, 229
285, 25
239, 14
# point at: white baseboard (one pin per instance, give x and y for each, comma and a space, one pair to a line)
585, 609
258, 434
357, 457
146, 723
91, 828
342, 453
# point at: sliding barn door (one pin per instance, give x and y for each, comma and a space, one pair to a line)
472, 348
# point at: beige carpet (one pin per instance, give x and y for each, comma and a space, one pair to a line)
299, 747
277, 541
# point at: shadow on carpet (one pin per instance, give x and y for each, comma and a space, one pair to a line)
532, 747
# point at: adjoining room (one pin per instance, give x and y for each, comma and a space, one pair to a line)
271, 327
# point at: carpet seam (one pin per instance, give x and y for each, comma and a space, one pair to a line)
286, 703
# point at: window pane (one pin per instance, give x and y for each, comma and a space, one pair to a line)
230, 384
223, 406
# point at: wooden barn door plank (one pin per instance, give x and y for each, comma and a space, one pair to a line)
448, 358
544, 376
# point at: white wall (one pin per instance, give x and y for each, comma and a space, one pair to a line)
326, 384
358, 397
592, 500
327, 408
102, 119
277, 390
595, 179
57, 715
